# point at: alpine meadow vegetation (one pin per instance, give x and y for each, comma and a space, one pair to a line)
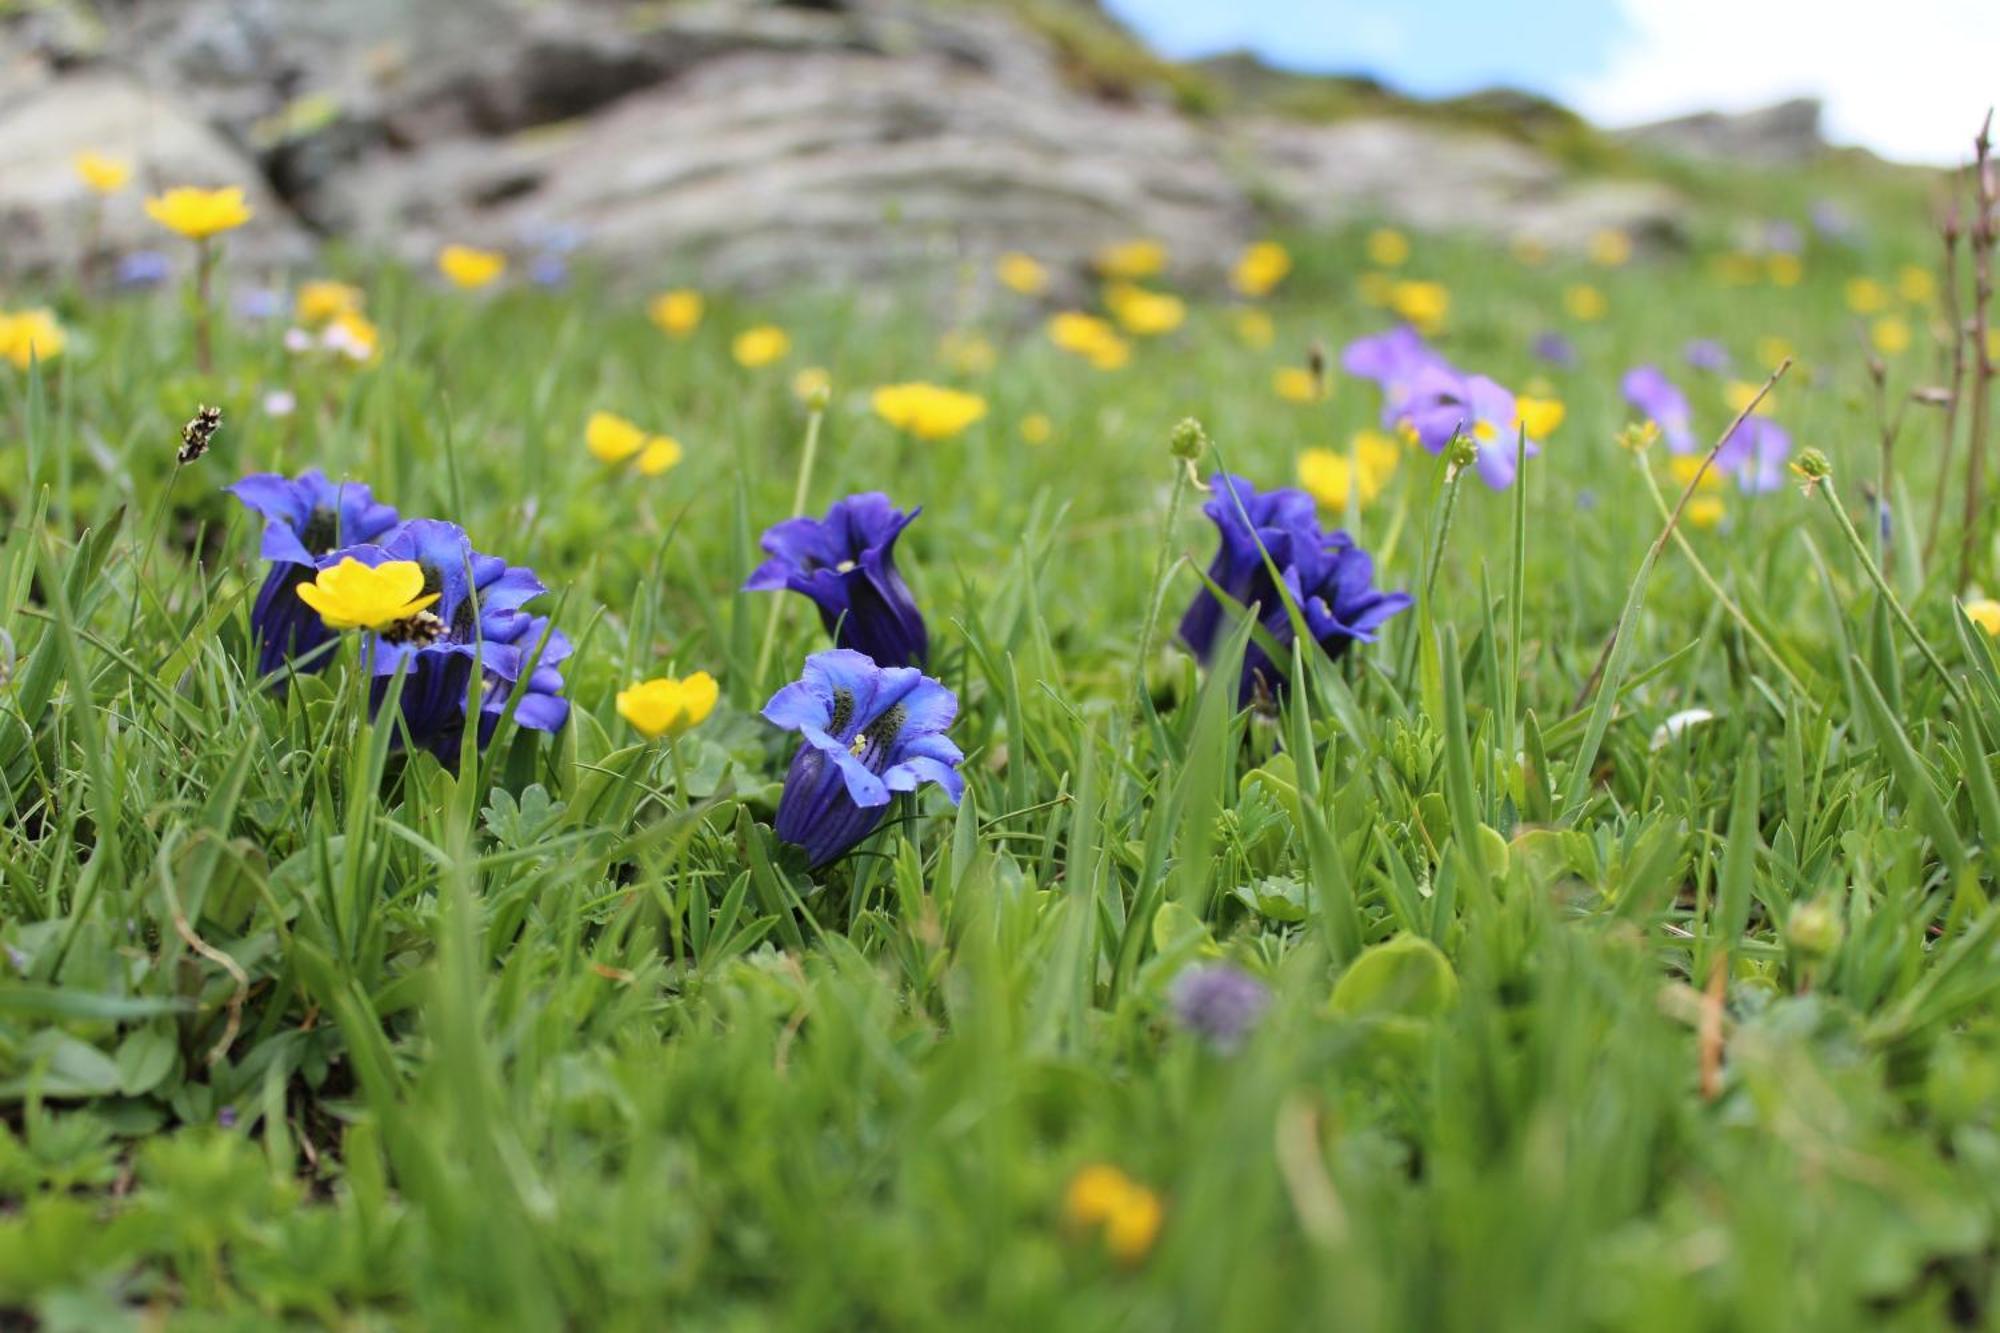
1417, 785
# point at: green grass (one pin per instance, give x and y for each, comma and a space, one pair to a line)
294, 1028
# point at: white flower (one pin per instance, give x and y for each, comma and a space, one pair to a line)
280, 403
1669, 731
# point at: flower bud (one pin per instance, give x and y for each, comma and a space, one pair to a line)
1188, 440
1814, 931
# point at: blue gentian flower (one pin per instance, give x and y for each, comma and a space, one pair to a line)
1444, 404
304, 520
1329, 578
869, 732
1648, 389
846, 563
1249, 524
477, 621
1393, 359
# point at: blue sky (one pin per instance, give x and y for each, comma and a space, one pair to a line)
1430, 47
1909, 79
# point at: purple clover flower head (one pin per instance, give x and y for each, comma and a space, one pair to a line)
1393, 360
304, 519
1756, 452
1249, 525
1328, 577
142, 270
1218, 1002
1555, 349
846, 563
483, 628
867, 733
1649, 390
1445, 404
1707, 354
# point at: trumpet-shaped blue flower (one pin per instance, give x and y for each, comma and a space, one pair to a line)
477, 623
1329, 578
846, 564
305, 519
867, 733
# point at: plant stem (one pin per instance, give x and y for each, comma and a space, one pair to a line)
799, 493
1882, 587
1183, 474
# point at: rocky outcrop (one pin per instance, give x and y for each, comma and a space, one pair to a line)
747, 141
1782, 135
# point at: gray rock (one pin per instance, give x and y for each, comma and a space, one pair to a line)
1787, 133
1432, 178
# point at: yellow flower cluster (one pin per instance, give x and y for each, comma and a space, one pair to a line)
665, 706
104, 175
678, 312
928, 411
1424, 304
1128, 1215
1144, 313
1260, 268
760, 346
1022, 273
1704, 508
28, 336
1132, 260
612, 439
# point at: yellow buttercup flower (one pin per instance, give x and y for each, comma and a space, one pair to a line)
662, 453
1785, 270
1147, 314
352, 595
1985, 613
813, 384
1865, 296
1916, 284
1705, 511
1538, 416
1424, 304
1610, 248
1255, 328
1261, 267
1386, 247
322, 301
1022, 273
1739, 394
1890, 334
928, 411
1584, 302
28, 336
1298, 384
1685, 468
664, 706
1089, 337
469, 267
760, 346
105, 175
199, 214
1124, 1212
677, 312
1329, 475
1133, 259
967, 353
1036, 428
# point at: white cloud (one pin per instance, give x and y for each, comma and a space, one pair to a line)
1910, 79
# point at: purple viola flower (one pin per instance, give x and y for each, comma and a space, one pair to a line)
1218, 1002
1328, 577
1707, 354
142, 270
1393, 360
1250, 524
304, 519
1648, 389
1555, 349
1445, 404
1755, 454
868, 732
477, 623
846, 564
